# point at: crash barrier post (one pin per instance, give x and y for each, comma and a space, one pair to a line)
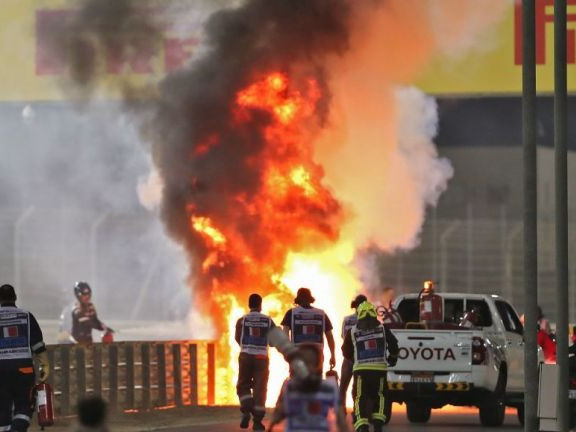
133, 375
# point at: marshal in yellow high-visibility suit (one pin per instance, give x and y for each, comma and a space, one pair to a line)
372, 347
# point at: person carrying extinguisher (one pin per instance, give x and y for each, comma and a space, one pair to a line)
20, 340
252, 336
84, 316
372, 347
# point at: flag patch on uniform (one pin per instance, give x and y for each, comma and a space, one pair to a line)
255, 331
308, 329
11, 331
314, 407
370, 344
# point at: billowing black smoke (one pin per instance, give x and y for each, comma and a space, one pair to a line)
196, 104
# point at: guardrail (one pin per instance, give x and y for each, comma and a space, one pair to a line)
134, 375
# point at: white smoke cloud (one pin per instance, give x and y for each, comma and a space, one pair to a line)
383, 163
381, 159
418, 126
150, 189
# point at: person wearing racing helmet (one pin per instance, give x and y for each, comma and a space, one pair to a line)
84, 316
372, 347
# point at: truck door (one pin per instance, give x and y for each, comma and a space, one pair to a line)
514, 340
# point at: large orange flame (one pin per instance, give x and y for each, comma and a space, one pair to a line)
299, 220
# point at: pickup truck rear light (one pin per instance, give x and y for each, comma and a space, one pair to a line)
478, 351
573, 383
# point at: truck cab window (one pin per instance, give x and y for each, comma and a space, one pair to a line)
509, 318
409, 310
453, 310
484, 318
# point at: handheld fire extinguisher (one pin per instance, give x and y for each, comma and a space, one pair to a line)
108, 336
431, 304
332, 375
44, 404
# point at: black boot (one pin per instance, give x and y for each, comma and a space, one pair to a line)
245, 422
378, 425
258, 426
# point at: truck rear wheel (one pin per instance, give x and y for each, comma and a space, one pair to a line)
417, 412
520, 412
492, 408
492, 413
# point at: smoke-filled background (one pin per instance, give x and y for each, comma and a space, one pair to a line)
71, 202
206, 164
369, 143
206, 149
68, 191
290, 147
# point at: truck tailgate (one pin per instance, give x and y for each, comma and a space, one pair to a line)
434, 350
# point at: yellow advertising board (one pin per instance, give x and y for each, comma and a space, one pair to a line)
29, 70
497, 68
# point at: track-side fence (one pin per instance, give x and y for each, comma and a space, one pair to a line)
134, 375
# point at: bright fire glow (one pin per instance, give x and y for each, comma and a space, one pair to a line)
302, 178
294, 221
204, 226
270, 94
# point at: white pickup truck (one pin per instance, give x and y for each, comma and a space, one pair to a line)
444, 363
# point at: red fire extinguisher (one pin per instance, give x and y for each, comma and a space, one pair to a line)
431, 304
332, 375
44, 404
108, 336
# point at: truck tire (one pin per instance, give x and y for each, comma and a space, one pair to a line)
417, 412
492, 408
492, 413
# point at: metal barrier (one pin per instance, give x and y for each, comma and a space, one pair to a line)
134, 375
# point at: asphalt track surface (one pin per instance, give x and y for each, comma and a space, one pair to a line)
450, 419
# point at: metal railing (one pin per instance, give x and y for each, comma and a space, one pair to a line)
478, 255
134, 375
471, 254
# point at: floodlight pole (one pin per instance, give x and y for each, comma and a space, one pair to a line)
561, 169
530, 215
